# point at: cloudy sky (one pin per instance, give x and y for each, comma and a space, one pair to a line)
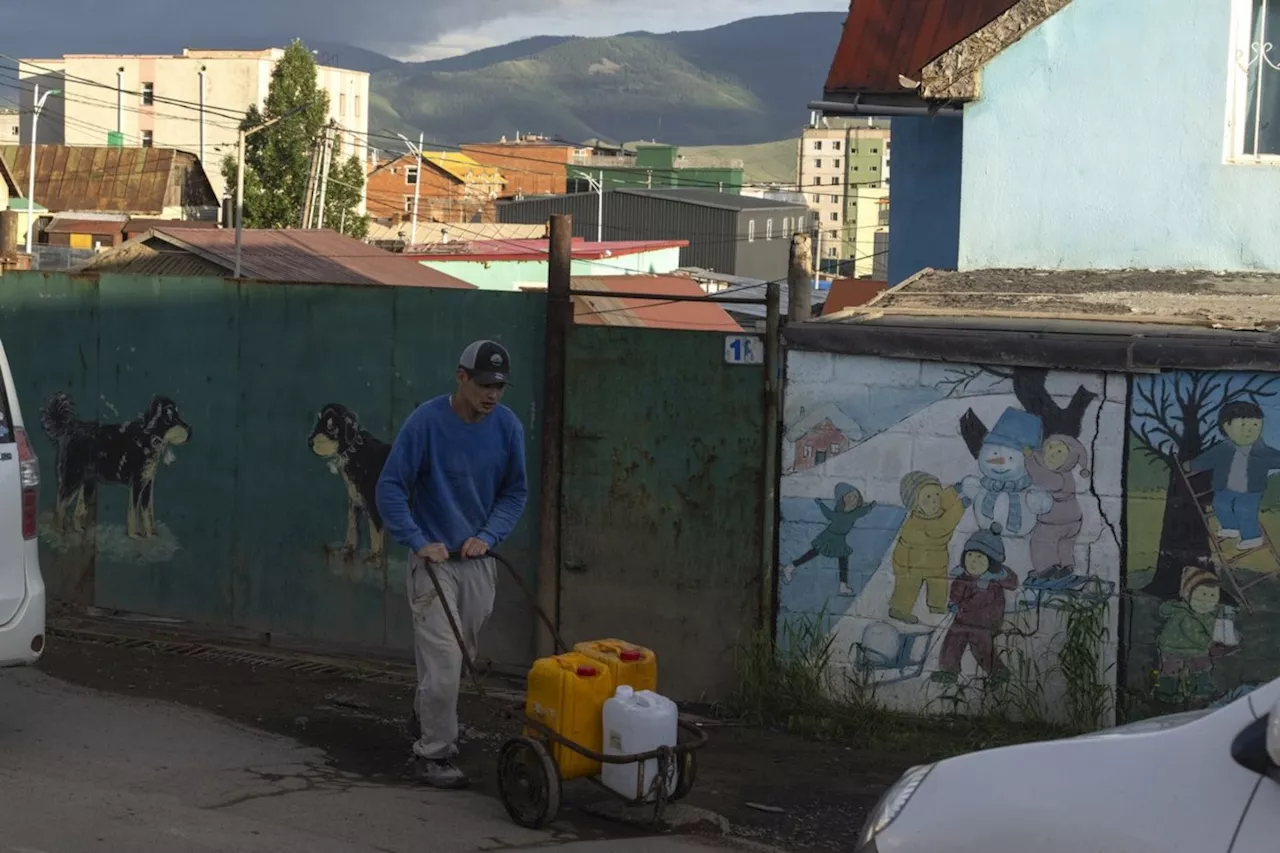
405, 29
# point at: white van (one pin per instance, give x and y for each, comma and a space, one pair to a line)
1197, 782
22, 597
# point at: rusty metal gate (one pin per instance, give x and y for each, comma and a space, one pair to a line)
664, 508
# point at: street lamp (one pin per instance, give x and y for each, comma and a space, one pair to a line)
598, 186
240, 142
417, 181
31, 172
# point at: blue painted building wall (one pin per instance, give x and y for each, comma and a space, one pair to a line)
924, 219
1099, 143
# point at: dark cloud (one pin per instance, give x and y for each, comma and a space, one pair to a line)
391, 26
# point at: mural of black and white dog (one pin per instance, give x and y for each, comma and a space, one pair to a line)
357, 456
89, 453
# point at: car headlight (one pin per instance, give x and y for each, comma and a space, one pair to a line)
892, 803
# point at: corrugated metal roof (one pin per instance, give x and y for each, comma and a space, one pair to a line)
83, 223
462, 168
886, 38
657, 313
76, 177
851, 292
749, 288
710, 198
536, 250
430, 233
287, 256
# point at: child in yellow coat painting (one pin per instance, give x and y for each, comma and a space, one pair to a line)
921, 557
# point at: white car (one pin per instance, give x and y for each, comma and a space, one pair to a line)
22, 596
1197, 782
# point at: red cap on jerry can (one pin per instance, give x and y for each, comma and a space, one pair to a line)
630, 655
585, 671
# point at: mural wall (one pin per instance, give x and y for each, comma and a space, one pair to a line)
1203, 511
210, 448
942, 519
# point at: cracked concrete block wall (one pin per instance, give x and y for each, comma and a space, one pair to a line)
888, 536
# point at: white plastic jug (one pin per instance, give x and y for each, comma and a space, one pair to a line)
636, 722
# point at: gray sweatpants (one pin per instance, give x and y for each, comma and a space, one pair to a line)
468, 587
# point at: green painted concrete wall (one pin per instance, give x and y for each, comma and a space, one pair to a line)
511, 275
663, 499
250, 522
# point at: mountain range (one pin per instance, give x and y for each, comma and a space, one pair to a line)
741, 83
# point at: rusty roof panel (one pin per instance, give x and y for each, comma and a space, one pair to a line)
886, 38
661, 312
288, 256
73, 177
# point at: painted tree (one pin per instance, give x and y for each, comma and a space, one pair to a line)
1174, 417
1029, 387
278, 158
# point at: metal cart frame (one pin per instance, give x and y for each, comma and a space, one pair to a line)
529, 780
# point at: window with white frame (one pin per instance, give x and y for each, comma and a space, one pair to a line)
411, 174
751, 230
768, 229
1254, 115
408, 204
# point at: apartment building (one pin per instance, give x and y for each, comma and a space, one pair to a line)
10, 127
192, 101
843, 171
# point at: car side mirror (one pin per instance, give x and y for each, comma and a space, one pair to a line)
1257, 746
1273, 735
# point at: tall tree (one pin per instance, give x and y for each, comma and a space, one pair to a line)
342, 202
278, 158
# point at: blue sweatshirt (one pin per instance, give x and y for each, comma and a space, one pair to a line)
447, 480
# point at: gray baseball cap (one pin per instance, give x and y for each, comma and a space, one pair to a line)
487, 362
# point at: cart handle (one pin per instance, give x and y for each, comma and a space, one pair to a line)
455, 556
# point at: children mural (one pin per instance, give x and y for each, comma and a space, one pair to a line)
984, 515
1204, 516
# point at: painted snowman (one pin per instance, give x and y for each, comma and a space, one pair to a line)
1004, 494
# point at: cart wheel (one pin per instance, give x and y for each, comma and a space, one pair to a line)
686, 775
528, 782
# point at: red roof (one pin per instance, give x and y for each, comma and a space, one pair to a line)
851, 293
537, 250
656, 313
312, 255
885, 38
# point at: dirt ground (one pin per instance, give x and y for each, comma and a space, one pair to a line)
774, 788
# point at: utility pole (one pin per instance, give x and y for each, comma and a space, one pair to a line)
772, 425
324, 166
417, 181
598, 186
240, 145
313, 175
31, 174
558, 323
799, 280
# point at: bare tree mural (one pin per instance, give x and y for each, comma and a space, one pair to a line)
1029, 388
1174, 417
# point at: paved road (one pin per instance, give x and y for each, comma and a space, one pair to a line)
86, 771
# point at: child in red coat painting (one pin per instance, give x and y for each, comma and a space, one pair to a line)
978, 601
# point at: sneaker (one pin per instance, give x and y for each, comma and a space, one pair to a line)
846, 590
788, 572
1250, 544
439, 773
1228, 533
